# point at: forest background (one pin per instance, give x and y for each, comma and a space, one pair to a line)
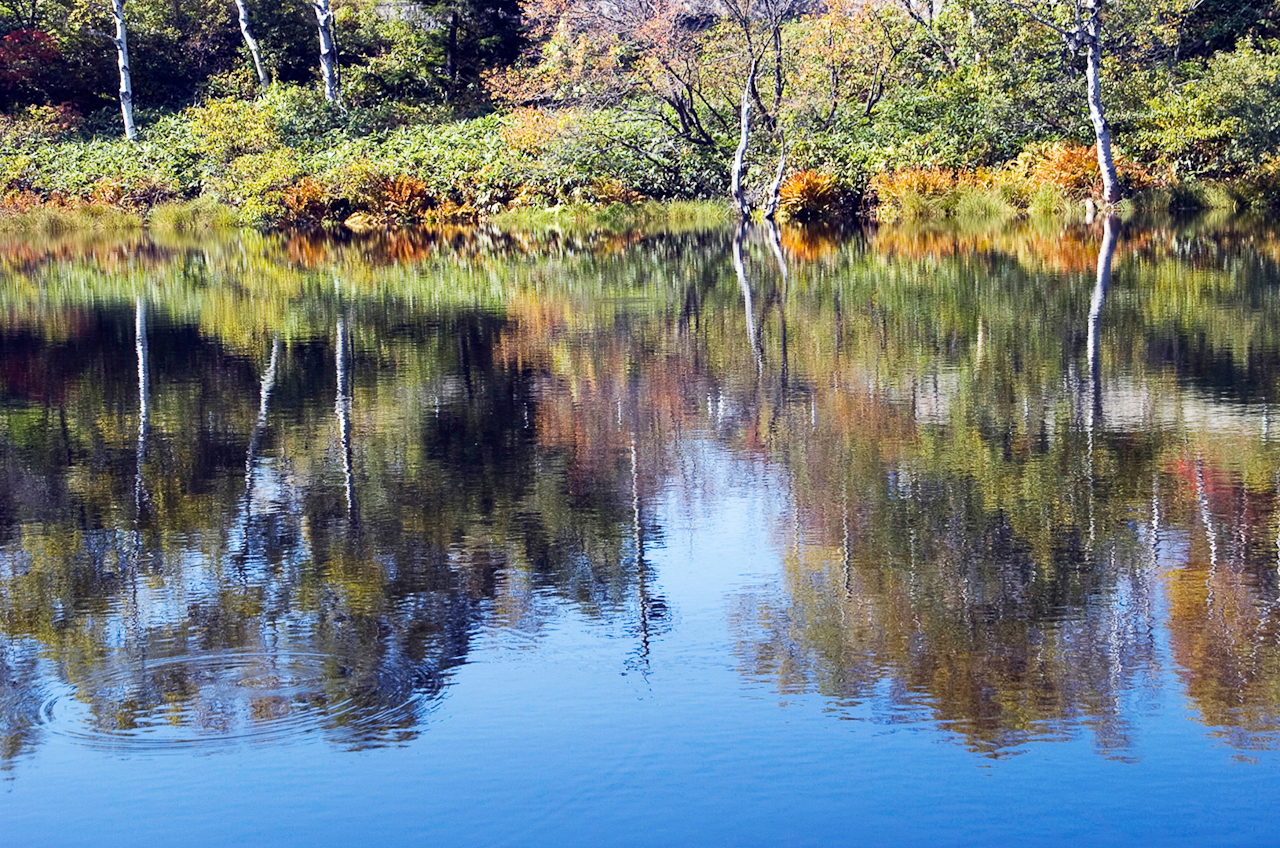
373, 112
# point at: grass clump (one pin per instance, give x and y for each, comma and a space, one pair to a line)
1045, 179
57, 219
192, 216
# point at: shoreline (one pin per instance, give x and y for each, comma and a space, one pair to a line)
959, 205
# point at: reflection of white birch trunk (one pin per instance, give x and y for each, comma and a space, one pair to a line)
642, 576
846, 540
775, 245
343, 409
144, 402
255, 444
1154, 540
1105, 254
1093, 415
1278, 526
328, 49
242, 7
1206, 517
740, 269
260, 426
126, 82
774, 198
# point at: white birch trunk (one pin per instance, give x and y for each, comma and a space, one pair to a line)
740, 155
252, 43
126, 83
1093, 37
328, 49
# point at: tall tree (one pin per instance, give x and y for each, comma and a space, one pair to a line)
760, 24
1079, 24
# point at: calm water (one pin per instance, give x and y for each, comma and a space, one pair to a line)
545, 538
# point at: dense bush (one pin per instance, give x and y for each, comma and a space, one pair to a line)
1223, 120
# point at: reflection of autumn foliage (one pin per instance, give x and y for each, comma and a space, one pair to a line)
1224, 641
112, 253
959, 537
897, 571
1070, 249
812, 244
1224, 623
906, 579
595, 401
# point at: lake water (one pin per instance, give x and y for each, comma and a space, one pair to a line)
904, 537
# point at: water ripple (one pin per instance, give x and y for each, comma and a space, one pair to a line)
223, 699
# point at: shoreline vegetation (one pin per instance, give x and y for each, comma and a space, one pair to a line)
944, 198
834, 112
232, 162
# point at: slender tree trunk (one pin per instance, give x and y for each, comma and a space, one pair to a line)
451, 54
252, 43
774, 197
144, 404
744, 136
255, 445
260, 426
642, 570
126, 82
328, 49
748, 302
1100, 289
1110, 182
775, 244
343, 410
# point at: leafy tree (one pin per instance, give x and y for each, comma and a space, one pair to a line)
470, 37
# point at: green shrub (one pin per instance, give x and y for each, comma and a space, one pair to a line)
226, 128
255, 185
1223, 120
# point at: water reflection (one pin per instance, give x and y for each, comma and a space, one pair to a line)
269, 488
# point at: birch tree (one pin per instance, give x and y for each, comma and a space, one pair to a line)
242, 8
328, 49
121, 40
1079, 24
761, 25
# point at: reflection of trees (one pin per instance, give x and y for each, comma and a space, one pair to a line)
983, 478
958, 559
20, 699
977, 541
265, 561
1224, 621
